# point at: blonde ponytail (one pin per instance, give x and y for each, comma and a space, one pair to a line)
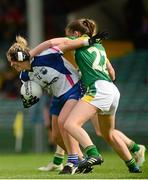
21, 44
22, 41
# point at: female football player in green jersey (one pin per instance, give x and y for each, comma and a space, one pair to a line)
101, 97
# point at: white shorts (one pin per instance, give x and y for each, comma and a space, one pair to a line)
104, 95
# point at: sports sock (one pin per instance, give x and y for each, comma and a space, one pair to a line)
133, 147
73, 158
82, 159
131, 164
58, 159
92, 151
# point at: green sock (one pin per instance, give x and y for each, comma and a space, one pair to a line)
131, 164
92, 151
134, 147
58, 159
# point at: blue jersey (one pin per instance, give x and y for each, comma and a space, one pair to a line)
52, 72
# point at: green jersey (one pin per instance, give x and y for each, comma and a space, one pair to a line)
91, 61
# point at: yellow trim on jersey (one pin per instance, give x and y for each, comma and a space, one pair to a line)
87, 98
83, 37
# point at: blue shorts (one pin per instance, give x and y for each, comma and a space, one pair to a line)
58, 102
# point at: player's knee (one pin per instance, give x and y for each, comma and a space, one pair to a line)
67, 126
108, 136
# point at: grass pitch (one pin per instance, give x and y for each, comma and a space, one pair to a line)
24, 166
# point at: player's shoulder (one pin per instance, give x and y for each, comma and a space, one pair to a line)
83, 37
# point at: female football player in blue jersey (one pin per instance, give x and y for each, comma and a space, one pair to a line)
59, 78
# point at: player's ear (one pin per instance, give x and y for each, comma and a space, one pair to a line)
77, 34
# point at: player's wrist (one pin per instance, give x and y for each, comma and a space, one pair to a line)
86, 42
90, 41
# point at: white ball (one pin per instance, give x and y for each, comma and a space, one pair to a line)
30, 92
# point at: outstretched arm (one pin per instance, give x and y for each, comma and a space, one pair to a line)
64, 44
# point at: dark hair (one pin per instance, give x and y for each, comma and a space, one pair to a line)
84, 26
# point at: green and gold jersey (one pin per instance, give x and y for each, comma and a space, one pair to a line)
91, 61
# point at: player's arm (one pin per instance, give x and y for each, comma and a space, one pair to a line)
111, 70
64, 44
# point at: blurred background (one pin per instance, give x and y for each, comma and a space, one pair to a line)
27, 130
